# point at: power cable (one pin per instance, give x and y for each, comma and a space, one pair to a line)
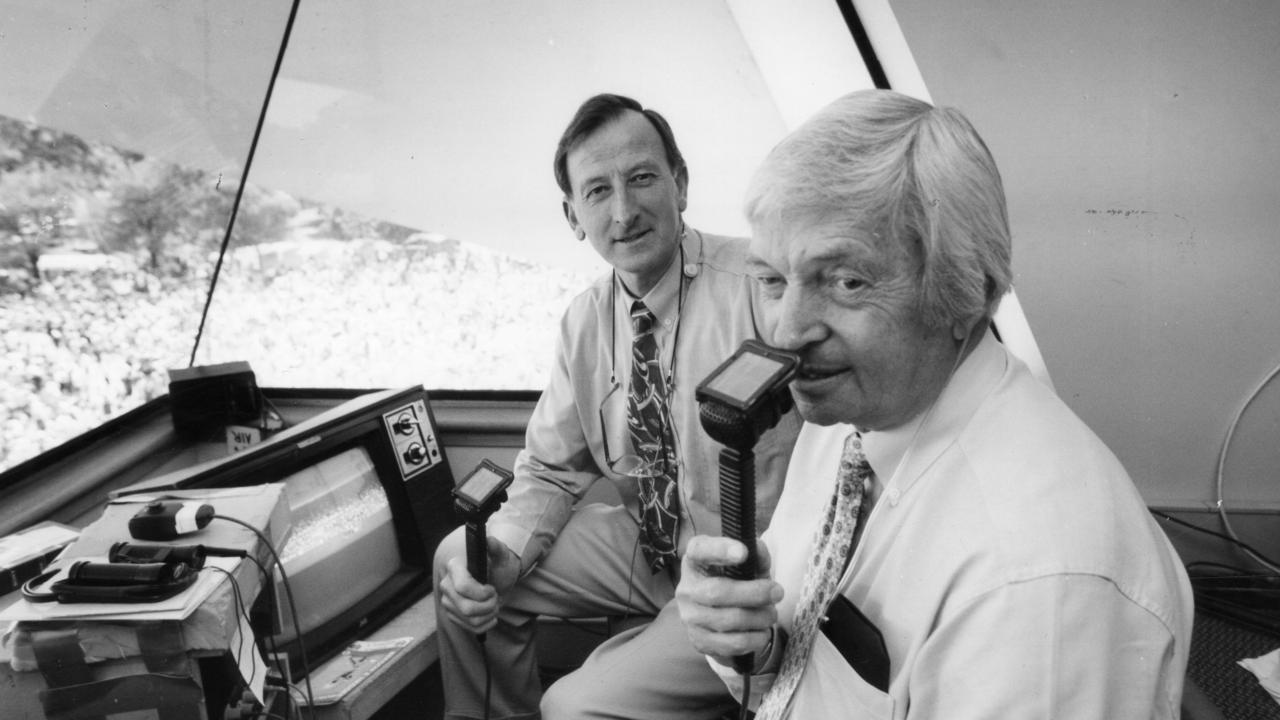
1222, 462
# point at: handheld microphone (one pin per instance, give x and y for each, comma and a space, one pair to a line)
167, 519
478, 496
741, 399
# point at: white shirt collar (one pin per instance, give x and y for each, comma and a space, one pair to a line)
898, 456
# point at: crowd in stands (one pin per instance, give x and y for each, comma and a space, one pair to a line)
80, 348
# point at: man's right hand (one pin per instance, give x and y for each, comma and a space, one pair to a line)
467, 601
725, 617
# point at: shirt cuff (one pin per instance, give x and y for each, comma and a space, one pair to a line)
517, 540
762, 675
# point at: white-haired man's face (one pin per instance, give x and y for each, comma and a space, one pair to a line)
846, 301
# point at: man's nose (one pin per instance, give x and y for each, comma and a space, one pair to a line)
797, 320
624, 207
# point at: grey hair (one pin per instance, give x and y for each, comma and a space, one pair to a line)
890, 163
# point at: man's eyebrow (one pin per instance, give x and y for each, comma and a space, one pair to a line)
588, 181
827, 256
755, 262
645, 164
839, 252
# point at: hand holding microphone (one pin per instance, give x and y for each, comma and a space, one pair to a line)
476, 498
740, 400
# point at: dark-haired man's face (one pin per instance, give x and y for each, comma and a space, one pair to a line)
626, 199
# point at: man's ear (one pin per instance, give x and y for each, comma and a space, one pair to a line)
572, 217
682, 186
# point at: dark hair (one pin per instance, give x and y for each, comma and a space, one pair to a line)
597, 112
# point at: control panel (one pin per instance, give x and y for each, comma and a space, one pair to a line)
413, 438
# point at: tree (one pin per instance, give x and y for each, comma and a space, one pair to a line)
38, 205
149, 211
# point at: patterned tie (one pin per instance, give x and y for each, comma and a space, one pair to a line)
650, 426
832, 544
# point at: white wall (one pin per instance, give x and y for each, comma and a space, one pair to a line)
1139, 145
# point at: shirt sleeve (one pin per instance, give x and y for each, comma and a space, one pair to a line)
761, 680
556, 466
1059, 646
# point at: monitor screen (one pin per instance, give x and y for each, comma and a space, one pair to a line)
342, 540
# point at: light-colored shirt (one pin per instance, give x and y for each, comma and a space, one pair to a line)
1009, 562
705, 308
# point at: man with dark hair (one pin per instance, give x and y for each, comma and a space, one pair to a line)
953, 541
619, 406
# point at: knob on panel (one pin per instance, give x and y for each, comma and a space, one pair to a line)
415, 454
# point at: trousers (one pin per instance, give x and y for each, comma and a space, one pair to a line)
593, 569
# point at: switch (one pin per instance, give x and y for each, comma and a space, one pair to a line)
404, 425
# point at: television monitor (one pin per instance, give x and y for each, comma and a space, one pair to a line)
370, 497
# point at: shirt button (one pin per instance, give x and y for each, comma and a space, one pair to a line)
666, 323
893, 496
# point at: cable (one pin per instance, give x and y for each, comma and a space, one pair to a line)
1222, 462
270, 648
235, 586
488, 676
743, 712
1249, 549
1236, 570
293, 609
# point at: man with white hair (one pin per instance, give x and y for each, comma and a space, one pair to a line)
952, 540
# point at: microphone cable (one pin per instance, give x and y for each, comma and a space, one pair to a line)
293, 609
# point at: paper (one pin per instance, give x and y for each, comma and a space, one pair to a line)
1267, 669
333, 680
33, 542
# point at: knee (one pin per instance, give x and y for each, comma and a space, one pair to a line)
560, 701
453, 545
575, 696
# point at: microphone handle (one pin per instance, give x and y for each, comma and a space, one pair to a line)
738, 518
477, 551
738, 506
